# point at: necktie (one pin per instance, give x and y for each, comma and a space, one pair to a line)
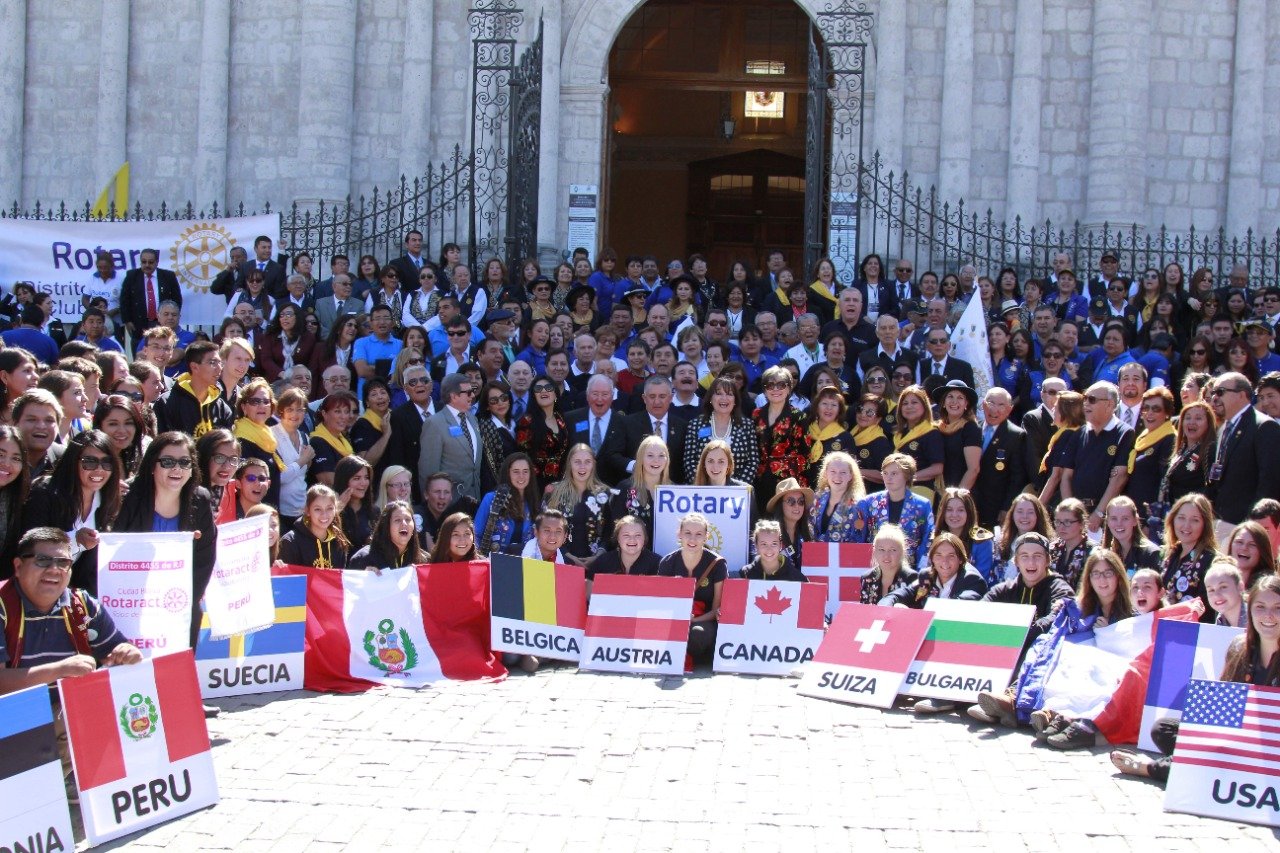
466, 435
596, 437
519, 409
1128, 417
987, 433
902, 291
262, 265
417, 262
151, 298
658, 429
937, 369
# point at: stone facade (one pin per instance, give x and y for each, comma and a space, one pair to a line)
1152, 112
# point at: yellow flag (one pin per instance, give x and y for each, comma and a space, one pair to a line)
102, 207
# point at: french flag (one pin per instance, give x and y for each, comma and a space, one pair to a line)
1183, 651
841, 566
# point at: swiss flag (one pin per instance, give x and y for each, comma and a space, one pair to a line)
866, 653
840, 565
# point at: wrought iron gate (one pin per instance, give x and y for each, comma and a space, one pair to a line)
838, 45
526, 133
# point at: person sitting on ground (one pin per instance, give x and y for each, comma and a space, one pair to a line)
394, 542
629, 555
890, 570
694, 560
947, 575
1224, 591
770, 563
316, 539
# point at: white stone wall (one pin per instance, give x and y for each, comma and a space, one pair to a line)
64, 95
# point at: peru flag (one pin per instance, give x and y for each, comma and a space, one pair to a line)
401, 627
840, 565
866, 653
638, 624
768, 627
139, 745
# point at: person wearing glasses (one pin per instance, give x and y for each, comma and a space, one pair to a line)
79, 634
253, 480
1097, 465
257, 405
1071, 546
81, 497
780, 432
871, 443
497, 430
451, 437
423, 303
1246, 467
166, 497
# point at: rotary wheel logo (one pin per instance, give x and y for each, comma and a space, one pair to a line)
715, 538
201, 252
176, 601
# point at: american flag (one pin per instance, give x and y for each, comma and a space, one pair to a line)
1230, 726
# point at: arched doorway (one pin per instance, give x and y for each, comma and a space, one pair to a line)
707, 130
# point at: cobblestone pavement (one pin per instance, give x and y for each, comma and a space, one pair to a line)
567, 761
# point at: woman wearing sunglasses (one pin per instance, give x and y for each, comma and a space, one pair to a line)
256, 405
497, 431
166, 497
543, 434
81, 496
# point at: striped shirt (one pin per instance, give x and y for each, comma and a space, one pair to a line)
48, 635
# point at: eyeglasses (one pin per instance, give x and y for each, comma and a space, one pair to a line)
1102, 574
46, 561
902, 377
170, 462
221, 459
777, 386
903, 269
414, 362
1050, 392
257, 401
1199, 352
426, 277
793, 501
257, 478
717, 323
415, 381
459, 333
500, 398
937, 341
93, 463
1054, 355
135, 396
538, 389
876, 379
1090, 398
867, 413
1218, 392
1065, 522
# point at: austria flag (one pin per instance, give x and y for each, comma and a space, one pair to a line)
638, 624
139, 745
841, 566
401, 627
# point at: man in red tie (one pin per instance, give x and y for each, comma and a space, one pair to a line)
142, 292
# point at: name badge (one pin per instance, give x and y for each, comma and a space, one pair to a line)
705, 432
455, 431
582, 426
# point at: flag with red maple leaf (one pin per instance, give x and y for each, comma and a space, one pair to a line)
768, 627
773, 603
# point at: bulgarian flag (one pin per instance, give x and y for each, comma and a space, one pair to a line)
138, 744
401, 627
971, 646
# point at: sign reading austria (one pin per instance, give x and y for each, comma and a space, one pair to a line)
139, 745
638, 624
768, 627
865, 655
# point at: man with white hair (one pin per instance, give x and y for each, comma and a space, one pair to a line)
1002, 471
597, 424
809, 350
1246, 467
1098, 466
1038, 425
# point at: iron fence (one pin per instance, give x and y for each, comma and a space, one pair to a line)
438, 204
899, 220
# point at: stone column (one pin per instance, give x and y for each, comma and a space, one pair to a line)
1119, 114
889, 114
415, 88
955, 145
585, 146
212, 109
325, 98
110, 149
1024, 116
13, 75
1248, 117
549, 194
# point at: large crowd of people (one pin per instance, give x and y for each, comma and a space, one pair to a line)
1126, 454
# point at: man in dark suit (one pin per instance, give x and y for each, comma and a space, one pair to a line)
1246, 468
597, 424
655, 419
1002, 470
408, 265
405, 445
142, 292
1038, 425
231, 279
888, 352
940, 367
273, 272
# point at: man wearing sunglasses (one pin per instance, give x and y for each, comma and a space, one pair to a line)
450, 439
1100, 467
1246, 467
405, 445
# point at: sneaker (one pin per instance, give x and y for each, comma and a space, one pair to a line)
976, 712
210, 712
1046, 723
1074, 736
933, 706
999, 706
529, 663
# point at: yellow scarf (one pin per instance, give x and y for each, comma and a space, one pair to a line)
920, 430
373, 418
210, 397
822, 290
819, 435
782, 297
951, 427
863, 437
261, 436
1044, 463
1149, 439
337, 442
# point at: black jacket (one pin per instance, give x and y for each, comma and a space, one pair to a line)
133, 296
179, 410
47, 508
299, 547
1043, 595
969, 586
1002, 473
1250, 467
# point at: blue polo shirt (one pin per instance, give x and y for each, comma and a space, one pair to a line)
34, 341
372, 350
46, 638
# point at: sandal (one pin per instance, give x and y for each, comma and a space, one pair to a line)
1131, 763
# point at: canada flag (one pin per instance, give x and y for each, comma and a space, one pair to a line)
139, 744
768, 627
